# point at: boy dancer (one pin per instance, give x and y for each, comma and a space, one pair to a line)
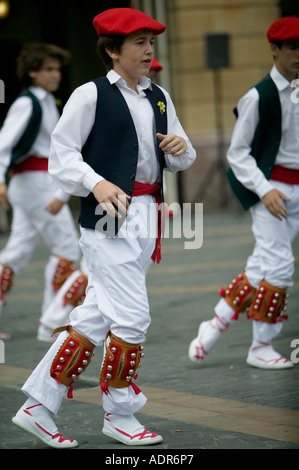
38, 205
264, 175
115, 136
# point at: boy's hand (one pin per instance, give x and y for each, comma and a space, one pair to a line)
3, 196
54, 206
111, 198
273, 202
172, 144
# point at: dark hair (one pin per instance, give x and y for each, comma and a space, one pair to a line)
32, 57
113, 43
278, 44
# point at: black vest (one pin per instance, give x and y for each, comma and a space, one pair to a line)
266, 141
112, 147
26, 141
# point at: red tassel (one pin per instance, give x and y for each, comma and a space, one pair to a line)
222, 292
235, 316
135, 388
104, 387
156, 256
70, 392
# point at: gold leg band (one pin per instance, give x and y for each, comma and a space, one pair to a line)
72, 358
64, 269
120, 363
76, 292
239, 293
268, 304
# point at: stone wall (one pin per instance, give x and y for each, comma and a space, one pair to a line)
201, 93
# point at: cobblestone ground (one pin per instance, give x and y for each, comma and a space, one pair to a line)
221, 404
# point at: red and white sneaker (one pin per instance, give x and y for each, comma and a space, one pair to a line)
208, 334
128, 430
263, 356
36, 420
4, 335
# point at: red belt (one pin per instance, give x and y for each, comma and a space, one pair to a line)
31, 163
141, 189
285, 175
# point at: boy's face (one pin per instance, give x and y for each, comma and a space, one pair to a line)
48, 76
135, 57
287, 58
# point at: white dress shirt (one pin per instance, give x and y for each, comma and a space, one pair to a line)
15, 123
66, 163
241, 161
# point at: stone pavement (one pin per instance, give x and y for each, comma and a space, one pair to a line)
221, 404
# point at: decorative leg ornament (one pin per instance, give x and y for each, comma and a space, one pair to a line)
72, 358
75, 290
6, 280
120, 364
69, 296
238, 294
64, 269
268, 304
6, 283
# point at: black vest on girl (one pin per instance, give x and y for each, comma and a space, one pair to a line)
112, 146
266, 140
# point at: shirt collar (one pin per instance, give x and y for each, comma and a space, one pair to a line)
115, 78
281, 82
39, 92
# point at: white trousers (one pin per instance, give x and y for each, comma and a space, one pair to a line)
272, 258
116, 300
29, 193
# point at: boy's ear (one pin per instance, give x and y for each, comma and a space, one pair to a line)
32, 74
112, 54
274, 49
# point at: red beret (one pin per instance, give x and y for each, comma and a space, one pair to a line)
284, 29
156, 65
125, 21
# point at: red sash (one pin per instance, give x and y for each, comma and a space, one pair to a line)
285, 175
31, 163
141, 189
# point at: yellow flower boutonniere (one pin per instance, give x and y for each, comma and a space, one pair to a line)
162, 106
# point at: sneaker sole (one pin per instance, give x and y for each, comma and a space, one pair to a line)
260, 365
145, 442
45, 441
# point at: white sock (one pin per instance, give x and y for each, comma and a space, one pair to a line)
263, 332
224, 311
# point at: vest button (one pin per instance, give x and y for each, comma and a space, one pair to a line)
129, 192
132, 177
134, 162
135, 147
